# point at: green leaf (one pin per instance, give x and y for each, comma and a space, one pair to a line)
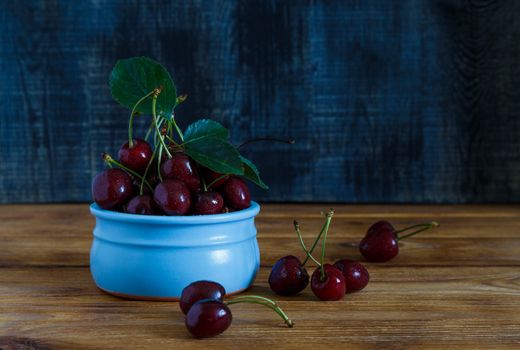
251, 173
205, 128
135, 77
216, 154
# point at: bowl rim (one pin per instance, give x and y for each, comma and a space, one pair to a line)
247, 213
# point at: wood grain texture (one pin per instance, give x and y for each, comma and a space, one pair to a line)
457, 286
408, 101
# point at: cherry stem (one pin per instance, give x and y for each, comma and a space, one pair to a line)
256, 299
179, 132
315, 243
146, 171
161, 137
217, 180
300, 238
274, 139
329, 214
427, 224
132, 114
109, 160
426, 227
159, 158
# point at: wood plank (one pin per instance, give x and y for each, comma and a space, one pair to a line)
401, 308
389, 101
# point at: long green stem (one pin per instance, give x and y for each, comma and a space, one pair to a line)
111, 160
427, 224
146, 171
159, 160
300, 238
427, 227
132, 114
256, 299
323, 242
315, 242
179, 132
161, 137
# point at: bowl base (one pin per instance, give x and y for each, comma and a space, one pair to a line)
149, 298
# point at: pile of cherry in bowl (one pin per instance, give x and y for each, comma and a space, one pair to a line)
136, 184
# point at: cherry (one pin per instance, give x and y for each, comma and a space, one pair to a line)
112, 188
330, 285
236, 193
214, 179
172, 197
288, 276
380, 244
380, 225
142, 204
208, 318
356, 275
181, 167
200, 290
137, 156
206, 203
379, 247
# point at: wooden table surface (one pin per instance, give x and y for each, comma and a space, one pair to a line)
454, 287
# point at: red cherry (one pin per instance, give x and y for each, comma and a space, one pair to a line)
200, 290
210, 176
142, 205
136, 157
236, 193
181, 167
332, 287
380, 225
379, 246
207, 203
356, 275
288, 276
112, 188
172, 197
208, 318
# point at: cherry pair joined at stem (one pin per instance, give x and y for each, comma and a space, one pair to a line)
207, 315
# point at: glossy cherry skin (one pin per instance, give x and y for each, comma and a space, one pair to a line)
288, 276
172, 197
112, 188
379, 247
236, 193
380, 225
332, 287
143, 205
207, 203
181, 167
210, 176
200, 290
356, 275
136, 157
208, 318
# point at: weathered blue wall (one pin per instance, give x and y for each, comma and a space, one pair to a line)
390, 101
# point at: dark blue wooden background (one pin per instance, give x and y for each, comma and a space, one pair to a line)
390, 101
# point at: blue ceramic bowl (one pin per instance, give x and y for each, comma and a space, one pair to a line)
155, 257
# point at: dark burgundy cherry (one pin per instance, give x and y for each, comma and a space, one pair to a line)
208, 318
236, 193
200, 290
288, 276
181, 167
379, 247
210, 176
112, 188
136, 157
172, 197
356, 275
206, 203
142, 204
380, 225
333, 285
